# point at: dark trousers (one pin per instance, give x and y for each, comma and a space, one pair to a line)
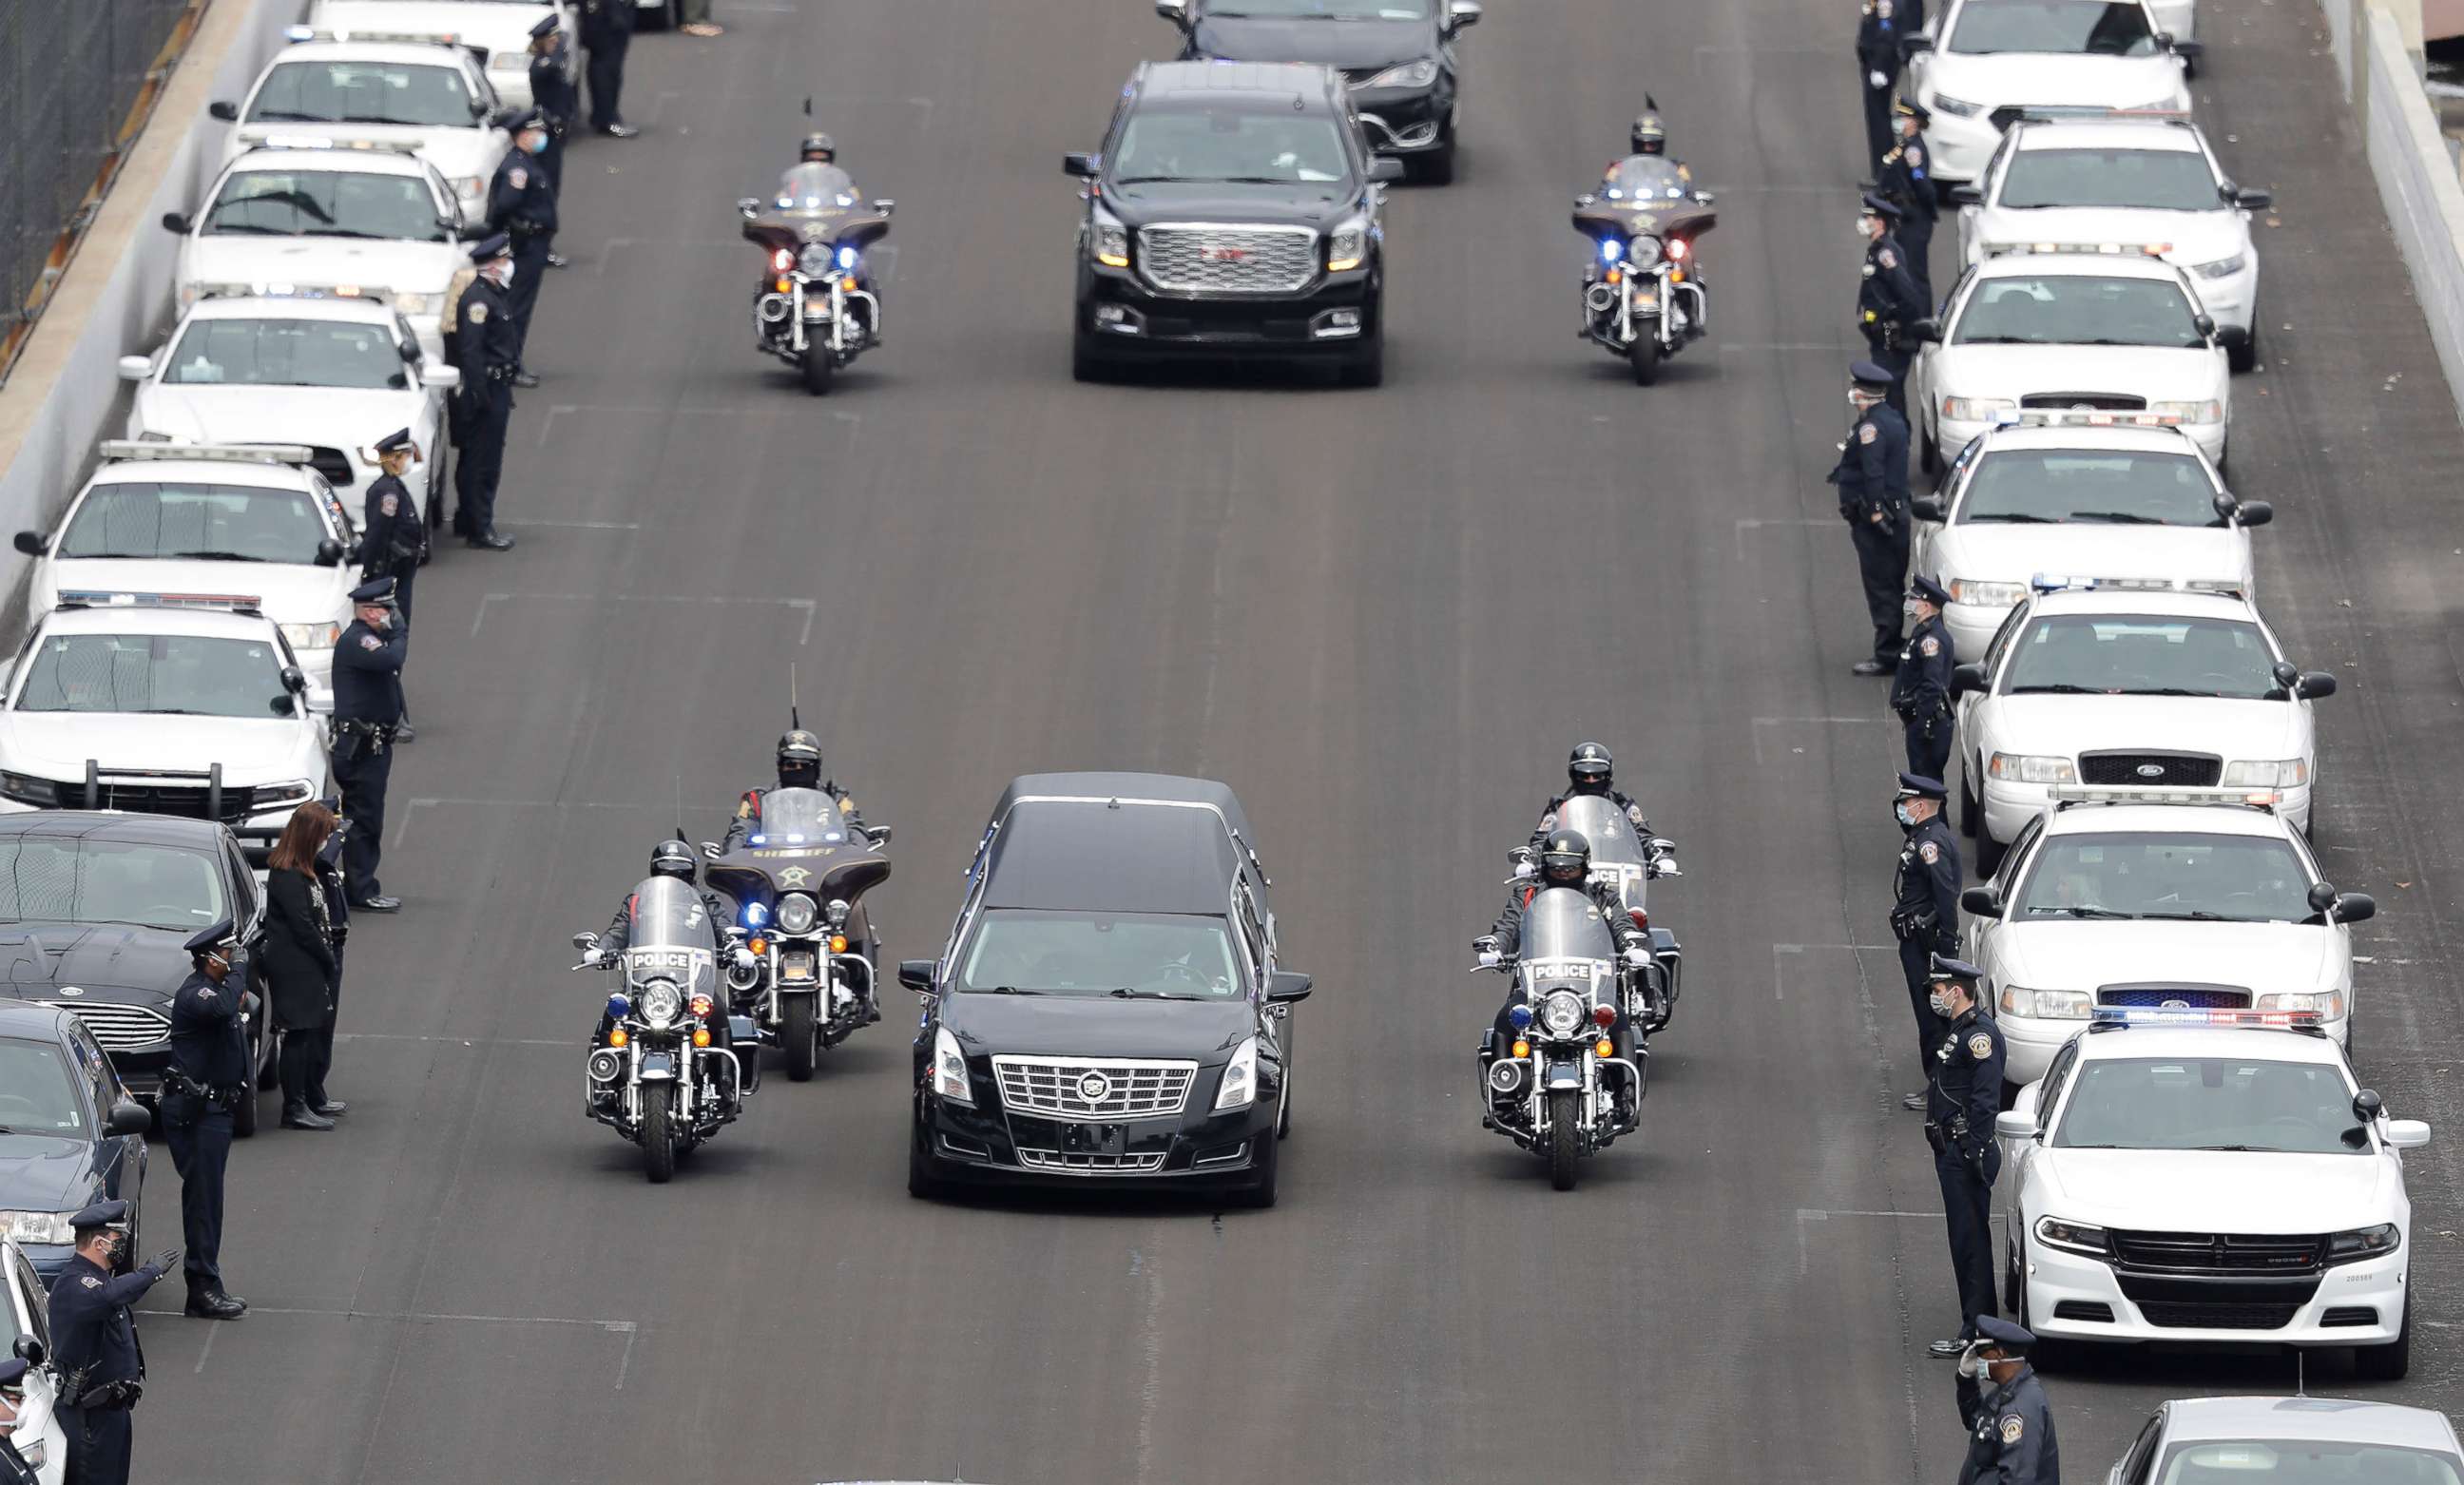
306, 1053
552, 159
1883, 568
485, 418
1878, 121
200, 1136
529, 266
1929, 751
605, 67
401, 580
324, 1059
361, 775
1914, 232
1968, 1211
98, 1441
1916, 963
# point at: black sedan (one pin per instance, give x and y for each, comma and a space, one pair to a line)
70, 1135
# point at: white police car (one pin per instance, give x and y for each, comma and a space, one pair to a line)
2083, 181
2117, 333
1982, 57
2279, 1440
168, 704
2131, 688
34, 1424
164, 517
415, 91
2190, 898
372, 219
2211, 1177
333, 374
2072, 493
499, 28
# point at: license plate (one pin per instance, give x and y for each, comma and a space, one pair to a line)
1646, 301
1097, 1138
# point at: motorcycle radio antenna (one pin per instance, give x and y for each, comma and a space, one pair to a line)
795, 720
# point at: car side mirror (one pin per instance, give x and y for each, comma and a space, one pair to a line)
2254, 513
1519, 858
885, 205
1929, 507
127, 1116
2406, 1134
442, 378
1080, 164
1285, 986
1967, 196
1928, 332
1461, 13
2012, 1124
916, 974
1385, 170
2231, 336
32, 543
2315, 686
2187, 51
585, 942
293, 680
2367, 1105
1176, 12
26, 1349
1966, 677
135, 368
329, 553
223, 109
1981, 901
174, 222
1910, 46
2355, 907
2322, 897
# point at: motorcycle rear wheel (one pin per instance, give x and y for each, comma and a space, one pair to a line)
658, 1136
1565, 1120
817, 368
797, 1036
1645, 354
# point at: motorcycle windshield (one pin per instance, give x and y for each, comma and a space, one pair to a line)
1645, 179
797, 817
672, 936
1565, 940
1617, 852
816, 188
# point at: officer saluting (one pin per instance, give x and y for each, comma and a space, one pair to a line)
1961, 1101
367, 708
1924, 907
1888, 302
487, 348
1904, 181
101, 1367
14, 1467
521, 204
208, 1076
1920, 686
2010, 1427
1872, 479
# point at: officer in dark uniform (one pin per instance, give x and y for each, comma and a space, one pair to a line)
1920, 686
2010, 1426
1905, 182
208, 1076
800, 766
521, 204
1888, 302
367, 708
554, 95
1872, 480
1925, 905
1877, 67
606, 31
487, 348
1590, 770
393, 534
94, 1351
1964, 1093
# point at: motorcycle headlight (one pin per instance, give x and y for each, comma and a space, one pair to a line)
2266, 773
1410, 74
37, 1227
1347, 246
2045, 1004
1111, 240
2078, 1237
1239, 1086
312, 637
2327, 1004
796, 913
950, 1068
2030, 768
1562, 1013
1986, 595
1976, 410
1644, 252
1957, 108
2211, 410
2223, 267
661, 1000
814, 260
2364, 1243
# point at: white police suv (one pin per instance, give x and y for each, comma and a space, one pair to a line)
1985, 62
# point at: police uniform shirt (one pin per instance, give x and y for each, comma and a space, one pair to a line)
520, 201
1921, 687
1967, 1077
1873, 469
1904, 178
2011, 1435
1928, 879
1888, 295
487, 344
368, 672
393, 534
91, 1329
208, 1043
553, 91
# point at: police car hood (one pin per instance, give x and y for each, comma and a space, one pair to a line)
288, 592
2184, 237
2081, 954
346, 418
2211, 1191
2155, 372
56, 745
2036, 78
1996, 552
502, 28
1354, 45
39, 960
403, 267
2069, 725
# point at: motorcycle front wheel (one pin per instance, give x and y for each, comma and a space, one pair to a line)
658, 1133
1565, 1120
1645, 354
817, 369
797, 1036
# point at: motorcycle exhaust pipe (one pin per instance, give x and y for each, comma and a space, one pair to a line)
1599, 298
606, 1066
773, 308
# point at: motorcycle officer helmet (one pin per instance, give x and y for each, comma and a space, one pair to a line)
1565, 859
672, 858
1649, 136
1588, 768
799, 760
818, 149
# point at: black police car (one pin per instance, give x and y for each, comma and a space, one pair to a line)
1110, 1004
94, 908
1233, 211
70, 1134
1397, 57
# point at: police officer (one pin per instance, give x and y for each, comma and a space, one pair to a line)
1905, 182
553, 95
1590, 770
1925, 905
14, 1467
521, 204
800, 766
208, 1076
1872, 480
2010, 1426
489, 349
393, 537
1964, 1095
94, 1351
1920, 686
606, 32
367, 709
1878, 63
1888, 302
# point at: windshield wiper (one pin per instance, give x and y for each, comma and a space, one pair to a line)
2198, 916
2121, 517
402, 123
2171, 691
2058, 687
2077, 910
1004, 990
2244, 1149
219, 557
285, 115
247, 228
1126, 992
2012, 518
340, 231
1997, 340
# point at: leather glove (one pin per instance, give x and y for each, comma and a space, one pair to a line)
168, 1261
1485, 944
1876, 79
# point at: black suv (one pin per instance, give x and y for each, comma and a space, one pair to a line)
1233, 211
1396, 55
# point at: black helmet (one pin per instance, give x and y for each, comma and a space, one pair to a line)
1565, 859
820, 148
672, 858
1590, 769
800, 760
1649, 136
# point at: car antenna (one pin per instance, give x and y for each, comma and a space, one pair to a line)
680, 803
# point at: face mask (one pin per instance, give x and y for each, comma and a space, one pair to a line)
1899, 812
538, 145
1865, 227
1972, 1364
505, 276
1939, 1002
1908, 607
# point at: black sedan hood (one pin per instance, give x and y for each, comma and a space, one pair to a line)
1351, 45
1318, 204
37, 960
1099, 1027
47, 1172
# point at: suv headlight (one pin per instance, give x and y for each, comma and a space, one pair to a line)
26, 789
2223, 267
2078, 1237
1347, 246
293, 791
1111, 240
2364, 1243
415, 303
1976, 410
2045, 1004
2211, 410
2329, 1004
950, 1068
660, 1002
37, 1227
312, 637
1957, 108
1986, 595
1410, 74
469, 185
1239, 1086
2266, 773
2030, 768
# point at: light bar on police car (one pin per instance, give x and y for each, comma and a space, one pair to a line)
326, 141
2060, 794
297, 33
374, 294
2109, 1017
101, 598
2085, 417
117, 449
2100, 249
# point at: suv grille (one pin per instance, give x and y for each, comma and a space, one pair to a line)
2101, 402
2218, 1253
1093, 1089
1228, 259
2174, 771
185, 801
118, 1028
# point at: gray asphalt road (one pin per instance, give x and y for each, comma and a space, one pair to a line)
1383, 617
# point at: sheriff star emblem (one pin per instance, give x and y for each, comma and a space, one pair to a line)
795, 877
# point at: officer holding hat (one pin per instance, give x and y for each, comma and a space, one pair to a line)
209, 1075
521, 204
487, 348
2010, 1426
367, 712
1921, 685
1902, 180
101, 1368
553, 94
1925, 906
1964, 1094
1872, 482
1888, 301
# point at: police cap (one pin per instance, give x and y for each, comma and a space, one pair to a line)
533, 118
1870, 377
1910, 108
1947, 968
488, 251
375, 590
1883, 208
1993, 1330
545, 28
101, 1214
394, 442
1930, 590
1916, 785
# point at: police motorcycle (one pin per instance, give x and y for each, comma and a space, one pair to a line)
1562, 1089
670, 1075
1642, 299
1628, 863
814, 312
799, 882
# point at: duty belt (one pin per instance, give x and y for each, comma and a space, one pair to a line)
180, 1083
379, 734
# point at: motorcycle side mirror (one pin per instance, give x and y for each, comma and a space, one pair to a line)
709, 849
1079, 163
1519, 856
26, 1349
1703, 198
916, 974
878, 834
750, 206
1584, 200
884, 205
585, 942
127, 1116
1285, 986
836, 913
1928, 507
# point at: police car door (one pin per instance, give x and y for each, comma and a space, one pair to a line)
29, 1306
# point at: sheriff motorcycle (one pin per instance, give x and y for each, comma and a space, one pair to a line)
1628, 863
815, 309
1572, 1080
799, 881
1643, 299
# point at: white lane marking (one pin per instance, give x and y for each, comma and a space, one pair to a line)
1825, 1214
567, 1045
428, 1317
479, 615
580, 526
206, 1350
1754, 729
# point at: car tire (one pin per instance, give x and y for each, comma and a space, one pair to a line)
1989, 851
1437, 168
922, 1183
1259, 1193
1087, 364
1971, 812
2388, 1363
2245, 356
1928, 455
1367, 365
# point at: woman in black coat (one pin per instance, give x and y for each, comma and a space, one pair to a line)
298, 962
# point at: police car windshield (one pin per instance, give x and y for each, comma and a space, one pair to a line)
1169, 955
419, 96
225, 522
2142, 655
2308, 1461
2141, 180
173, 675
36, 1095
2203, 878
326, 204
2115, 486
1645, 178
66, 879
2070, 309
2091, 27
1323, 10
1228, 145
2242, 1103
288, 353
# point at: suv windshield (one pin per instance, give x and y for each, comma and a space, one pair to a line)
1323, 10
2067, 309
287, 353
2093, 28
2304, 1462
326, 204
1168, 955
36, 1095
68, 879
228, 522
2117, 486
2210, 1103
2143, 654
2236, 878
337, 92
2145, 180
170, 674
1226, 144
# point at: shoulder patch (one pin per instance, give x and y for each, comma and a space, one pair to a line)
2012, 1426
1916, 155
388, 505
1931, 646
479, 313
1867, 432
520, 177
370, 642
91, 1282
1930, 851
1980, 1046
1886, 259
